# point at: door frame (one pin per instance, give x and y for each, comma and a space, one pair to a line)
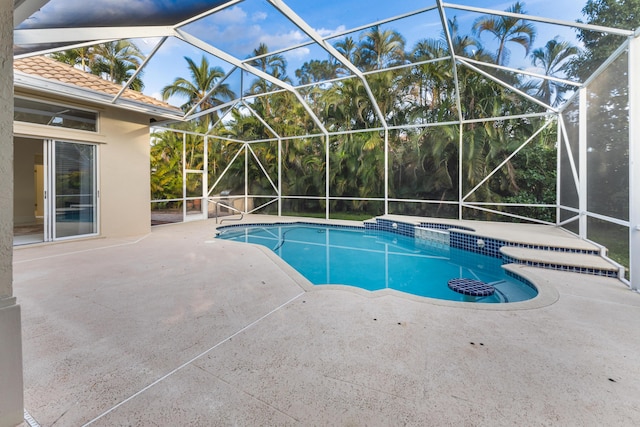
50, 216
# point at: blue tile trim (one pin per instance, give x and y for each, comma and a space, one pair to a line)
401, 228
477, 244
445, 227
458, 240
492, 246
521, 279
556, 249
560, 267
280, 224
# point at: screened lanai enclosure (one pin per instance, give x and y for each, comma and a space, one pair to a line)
345, 110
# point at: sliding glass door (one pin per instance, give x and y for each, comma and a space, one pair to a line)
72, 188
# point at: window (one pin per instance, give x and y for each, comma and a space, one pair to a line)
54, 115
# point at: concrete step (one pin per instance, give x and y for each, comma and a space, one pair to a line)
558, 260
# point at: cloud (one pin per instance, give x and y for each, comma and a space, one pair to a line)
324, 32
281, 40
177, 49
236, 39
230, 16
147, 44
297, 54
237, 33
259, 16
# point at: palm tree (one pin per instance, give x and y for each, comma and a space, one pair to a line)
349, 49
82, 56
303, 168
166, 165
507, 29
274, 65
117, 61
554, 58
114, 61
430, 79
434, 80
271, 64
381, 48
203, 78
316, 71
347, 106
462, 44
357, 168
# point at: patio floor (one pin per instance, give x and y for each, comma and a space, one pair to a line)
176, 328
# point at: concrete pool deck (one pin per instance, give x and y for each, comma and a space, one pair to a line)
176, 328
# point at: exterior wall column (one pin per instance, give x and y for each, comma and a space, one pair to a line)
634, 162
11, 385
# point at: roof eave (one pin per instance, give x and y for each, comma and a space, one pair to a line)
29, 82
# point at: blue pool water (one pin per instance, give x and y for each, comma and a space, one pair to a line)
375, 260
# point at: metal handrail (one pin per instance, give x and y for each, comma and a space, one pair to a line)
226, 205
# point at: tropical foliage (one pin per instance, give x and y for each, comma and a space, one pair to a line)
426, 162
430, 156
202, 91
115, 61
507, 29
598, 46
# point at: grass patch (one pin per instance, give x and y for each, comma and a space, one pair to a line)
615, 238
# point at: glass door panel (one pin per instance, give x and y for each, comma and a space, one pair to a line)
28, 191
74, 184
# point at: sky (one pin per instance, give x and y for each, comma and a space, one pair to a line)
239, 29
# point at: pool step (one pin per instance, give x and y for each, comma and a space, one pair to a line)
564, 261
525, 246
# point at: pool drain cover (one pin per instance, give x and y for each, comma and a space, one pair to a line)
474, 288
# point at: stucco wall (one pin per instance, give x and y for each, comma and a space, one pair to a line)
124, 174
11, 385
6, 146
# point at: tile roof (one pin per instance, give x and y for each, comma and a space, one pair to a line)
50, 69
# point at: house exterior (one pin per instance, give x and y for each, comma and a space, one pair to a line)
74, 163
81, 157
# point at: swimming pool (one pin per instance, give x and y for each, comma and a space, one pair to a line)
376, 259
